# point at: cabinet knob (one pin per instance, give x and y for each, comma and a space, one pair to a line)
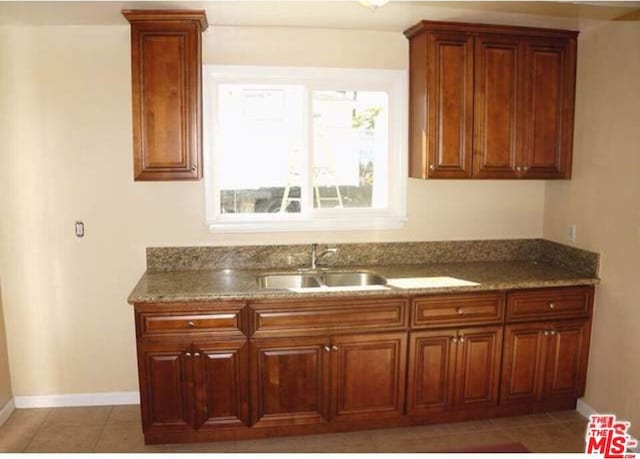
187, 354
461, 339
519, 168
191, 324
194, 167
552, 306
454, 339
460, 310
327, 348
525, 168
196, 354
432, 167
552, 332
334, 348
546, 333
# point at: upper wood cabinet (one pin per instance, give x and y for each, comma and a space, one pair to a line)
491, 102
166, 72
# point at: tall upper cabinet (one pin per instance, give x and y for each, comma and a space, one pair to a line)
491, 102
166, 67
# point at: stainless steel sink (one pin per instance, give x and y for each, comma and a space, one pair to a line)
316, 280
352, 279
284, 281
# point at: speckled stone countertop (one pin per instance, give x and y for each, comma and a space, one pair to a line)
241, 284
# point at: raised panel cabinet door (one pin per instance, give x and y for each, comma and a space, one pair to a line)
550, 79
450, 104
166, 386
290, 381
222, 387
166, 91
523, 362
566, 361
368, 376
478, 359
498, 106
431, 372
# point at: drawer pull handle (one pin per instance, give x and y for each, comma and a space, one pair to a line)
460, 310
334, 348
191, 324
327, 348
552, 306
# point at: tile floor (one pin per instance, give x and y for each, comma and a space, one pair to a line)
117, 429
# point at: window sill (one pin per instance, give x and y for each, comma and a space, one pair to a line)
363, 224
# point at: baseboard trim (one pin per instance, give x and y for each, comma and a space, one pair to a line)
587, 410
61, 400
6, 410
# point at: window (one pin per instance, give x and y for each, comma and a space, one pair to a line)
304, 149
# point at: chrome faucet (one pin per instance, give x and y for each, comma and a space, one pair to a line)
315, 256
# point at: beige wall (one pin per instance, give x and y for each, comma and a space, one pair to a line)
603, 200
65, 141
5, 378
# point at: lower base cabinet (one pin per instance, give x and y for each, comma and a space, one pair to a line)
545, 360
321, 379
454, 369
290, 381
217, 372
193, 386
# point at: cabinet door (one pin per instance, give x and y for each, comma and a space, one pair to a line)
550, 79
523, 362
498, 106
368, 376
450, 104
166, 80
566, 362
166, 386
431, 371
222, 390
290, 381
478, 367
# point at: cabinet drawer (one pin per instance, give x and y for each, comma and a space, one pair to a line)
462, 309
554, 303
287, 318
220, 319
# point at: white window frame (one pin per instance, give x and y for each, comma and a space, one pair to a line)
393, 82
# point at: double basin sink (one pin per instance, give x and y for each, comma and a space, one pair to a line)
319, 280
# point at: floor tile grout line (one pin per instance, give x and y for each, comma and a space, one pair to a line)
37, 430
106, 422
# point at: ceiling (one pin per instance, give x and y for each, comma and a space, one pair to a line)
395, 16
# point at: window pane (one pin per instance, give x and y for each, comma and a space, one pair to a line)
260, 148
349, 149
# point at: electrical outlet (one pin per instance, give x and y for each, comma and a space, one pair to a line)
79, 229
571, 232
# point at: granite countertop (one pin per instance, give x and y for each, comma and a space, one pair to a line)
240, 284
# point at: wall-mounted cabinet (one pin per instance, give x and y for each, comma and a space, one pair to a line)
490, 102
166, 67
